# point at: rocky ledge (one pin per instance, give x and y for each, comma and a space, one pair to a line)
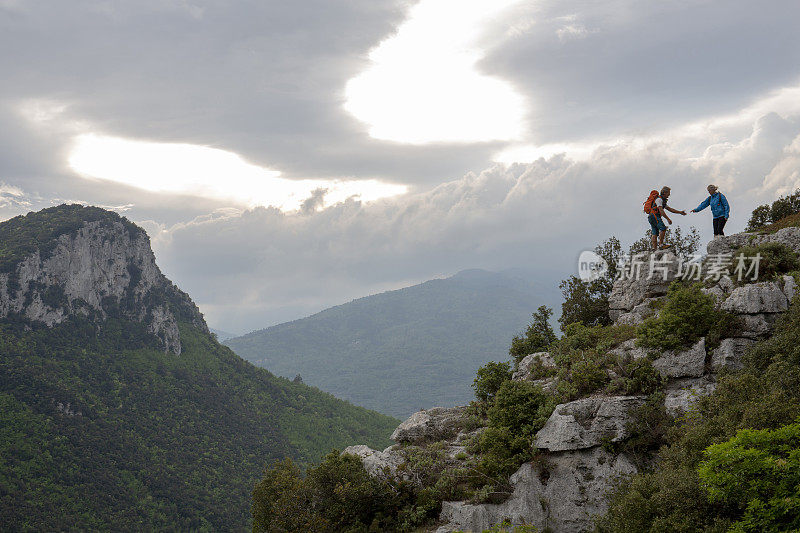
101, 268
567, 486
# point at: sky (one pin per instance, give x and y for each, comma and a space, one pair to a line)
289, 156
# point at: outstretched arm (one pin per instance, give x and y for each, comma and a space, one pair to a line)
702, 206
664, 214
668, 208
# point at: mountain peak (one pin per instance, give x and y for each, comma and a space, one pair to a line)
78, 261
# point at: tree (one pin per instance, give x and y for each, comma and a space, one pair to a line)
537, 337
586, 302
684, 245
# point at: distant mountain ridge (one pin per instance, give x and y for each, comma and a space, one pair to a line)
401, 350
118, 408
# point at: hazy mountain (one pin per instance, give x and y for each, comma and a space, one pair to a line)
118, 409
402, 350
222, 336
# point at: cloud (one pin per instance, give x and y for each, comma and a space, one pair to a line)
256, 267
209, 172
423, 85
12, 197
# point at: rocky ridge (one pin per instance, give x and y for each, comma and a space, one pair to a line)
99, 269
568, 488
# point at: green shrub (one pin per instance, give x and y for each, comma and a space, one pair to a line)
687, 315
776, 259
764, 395
758, 473
770, 213
587, 301
635, 376
519, 410
537, 338
488, 380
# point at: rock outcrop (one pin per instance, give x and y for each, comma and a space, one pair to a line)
566, 486
104, 268
587, 423
563, 494
437, 423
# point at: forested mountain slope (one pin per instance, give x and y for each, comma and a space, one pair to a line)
119, 410
401, 350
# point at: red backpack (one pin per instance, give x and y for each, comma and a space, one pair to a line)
649, 204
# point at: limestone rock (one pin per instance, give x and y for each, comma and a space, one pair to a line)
100, 264
680, 364
756, 326
628, 349
630, 319
530, 362
729, 244
755, 298
681, 395
437, 423
730, 352
564, 493
586, 423
717, 292
382, 465
642, 284
789, 287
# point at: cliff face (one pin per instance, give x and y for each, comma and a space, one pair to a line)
579, 463
99, 269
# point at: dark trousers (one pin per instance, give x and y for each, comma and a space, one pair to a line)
719, 223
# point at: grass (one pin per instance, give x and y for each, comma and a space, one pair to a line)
792, 221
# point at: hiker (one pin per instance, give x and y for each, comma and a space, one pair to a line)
656, 207
720, 209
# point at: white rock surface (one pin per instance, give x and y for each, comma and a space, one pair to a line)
681, 364
530, 362
730, 352
586, 423
382, 465
626, 294
787, 236
100, 261
563, 495
629, 349
756, 326
681, 395
756, 298
437, 423
789, 287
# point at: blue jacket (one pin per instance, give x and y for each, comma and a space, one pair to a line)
719, 205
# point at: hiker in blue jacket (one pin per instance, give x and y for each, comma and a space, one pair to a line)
720, 209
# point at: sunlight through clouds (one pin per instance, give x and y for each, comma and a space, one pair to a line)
212, 173
423, 86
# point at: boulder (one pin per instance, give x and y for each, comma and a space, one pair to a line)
643, 283
756, 326
563, 493
717, 292
680, 396
382, 465
756, 298
437, 423
789, 287
730, 352
630, 319
728, 245
530, 363
586, 423
628, 349
681, 364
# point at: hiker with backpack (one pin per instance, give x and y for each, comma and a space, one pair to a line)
656, 208
720, 209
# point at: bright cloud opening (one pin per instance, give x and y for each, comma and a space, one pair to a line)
423, 85
212, 173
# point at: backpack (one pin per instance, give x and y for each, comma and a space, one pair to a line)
649, 204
